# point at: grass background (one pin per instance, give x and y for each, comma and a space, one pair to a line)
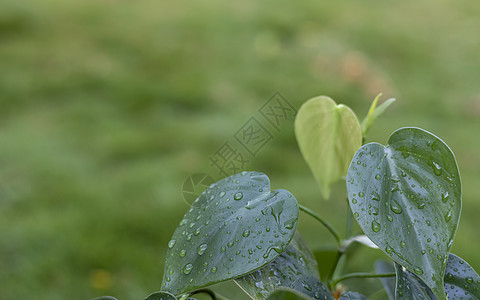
107, 106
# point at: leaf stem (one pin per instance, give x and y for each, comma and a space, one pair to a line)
360, 275
324, 223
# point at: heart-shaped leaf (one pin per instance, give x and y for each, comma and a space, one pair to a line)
461, 282
382, 267
406, 197
296, 268
161, 296
328, 136
236, 226
353, 296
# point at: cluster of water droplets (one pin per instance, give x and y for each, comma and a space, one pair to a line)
215, 212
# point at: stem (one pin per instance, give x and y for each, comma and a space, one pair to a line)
360, 275
243, 290
324, 223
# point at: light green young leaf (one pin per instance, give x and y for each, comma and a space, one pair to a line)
374, 112
296, 268
406, 197
235, 227
328, 136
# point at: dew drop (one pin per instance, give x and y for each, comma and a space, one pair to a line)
361, 194
214, 269
395, 207
445, 197
238, 196
376, 226
354, 201
306, 286
390, 218
421, 206
201, 249
389, 249
187, 269
171, 244
356, 215
223, 249
378, 177
221, 194
183, 252
418, 271
246, 233
469, 280
403, 244
448, 216
436, 168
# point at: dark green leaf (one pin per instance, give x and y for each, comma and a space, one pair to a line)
461, 282
410, 287
383, 267
353, 296
161, 296
328, 136
236, 226
407, 199
295, 268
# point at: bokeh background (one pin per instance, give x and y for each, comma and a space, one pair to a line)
107, 106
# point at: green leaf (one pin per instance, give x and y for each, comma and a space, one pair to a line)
328, 136
161, 296
296, 268
353, 296
410, 287
236, 226
461, 282
374, 112
407, 199
383, 267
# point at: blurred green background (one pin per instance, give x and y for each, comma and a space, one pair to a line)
107, 106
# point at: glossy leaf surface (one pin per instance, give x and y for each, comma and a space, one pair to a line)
161, 296
296, 268
406, 197
461, 282
328, 136
236, 226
